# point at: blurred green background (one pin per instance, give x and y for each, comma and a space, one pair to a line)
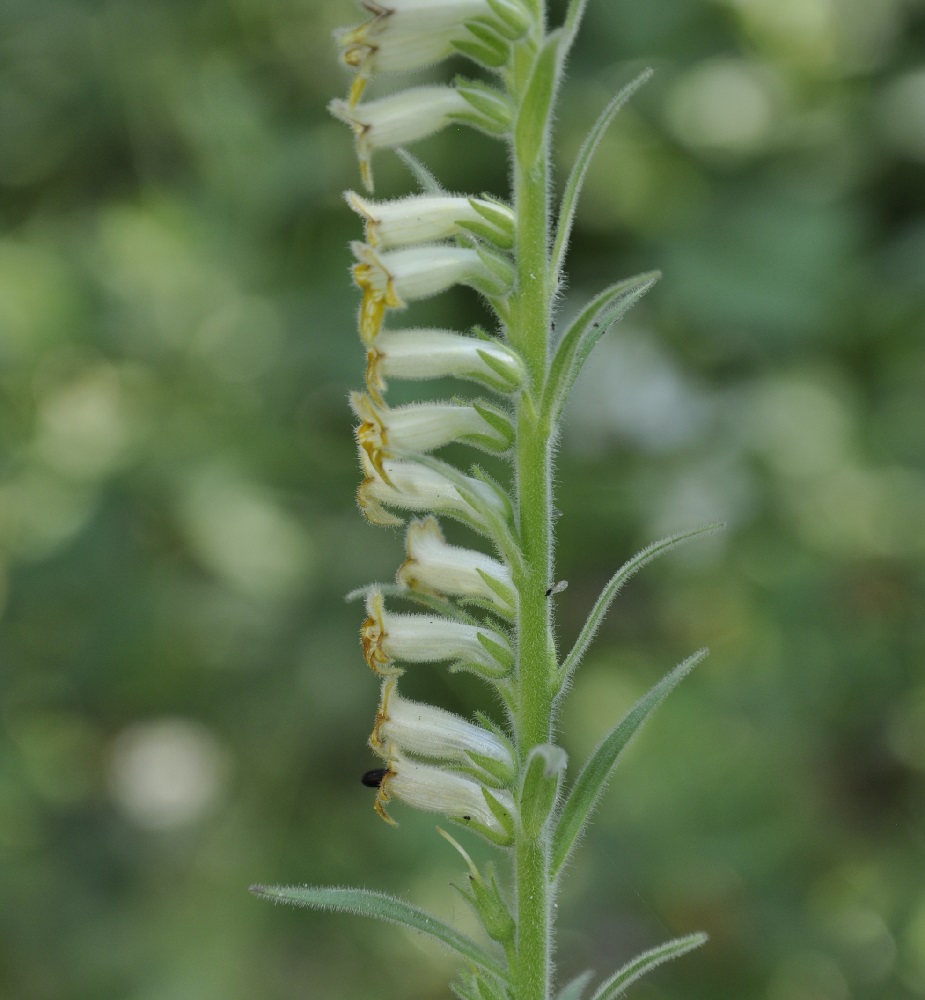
184, 707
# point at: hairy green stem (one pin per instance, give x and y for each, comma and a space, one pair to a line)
530, 323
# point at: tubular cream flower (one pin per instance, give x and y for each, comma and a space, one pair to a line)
398, 119
426, 731
387, 637
436, 790
390, 280
405, 35
416, 487
427, 353
425, 218
433, 566
419, 427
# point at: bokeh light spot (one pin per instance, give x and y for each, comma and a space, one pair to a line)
167, 773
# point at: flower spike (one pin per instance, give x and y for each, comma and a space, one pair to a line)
489, 614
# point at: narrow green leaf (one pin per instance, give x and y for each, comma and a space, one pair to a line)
590, 784
382, 906
584, 332
580, 167
636, 968
534, 111
626, 572
426, 180
573, 16
574, 989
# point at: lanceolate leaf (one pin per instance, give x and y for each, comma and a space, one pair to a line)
590, 784
382, 906
615, 585
573, 16
646, 962
585, 331
533, 113
589, 146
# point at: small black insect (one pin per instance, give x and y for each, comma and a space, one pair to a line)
557, 588
373, 779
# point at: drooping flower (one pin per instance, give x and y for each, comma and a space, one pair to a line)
427, 353
434, 566
434, 789
391, 279
418, 488
388, 637
409, 34
426, 218
398, 119
426, 731
421, 427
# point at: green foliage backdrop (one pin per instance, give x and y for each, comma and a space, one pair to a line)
183, 706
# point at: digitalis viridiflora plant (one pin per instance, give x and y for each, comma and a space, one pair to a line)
488, 612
